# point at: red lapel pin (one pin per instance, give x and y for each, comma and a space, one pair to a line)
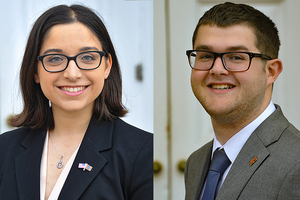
253, 161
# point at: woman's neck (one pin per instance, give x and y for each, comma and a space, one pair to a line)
70, 123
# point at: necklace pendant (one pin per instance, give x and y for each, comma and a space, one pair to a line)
60, 163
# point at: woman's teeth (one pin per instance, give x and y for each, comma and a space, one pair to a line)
72, 89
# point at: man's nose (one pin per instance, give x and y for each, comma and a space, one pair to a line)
218, 67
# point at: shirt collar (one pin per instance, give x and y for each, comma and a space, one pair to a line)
234, 145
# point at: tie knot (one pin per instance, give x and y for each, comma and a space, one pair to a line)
220, 161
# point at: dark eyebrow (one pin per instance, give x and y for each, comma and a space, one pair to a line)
238, 48
61, 51
204, 47
88, 48
228, 49
53, 51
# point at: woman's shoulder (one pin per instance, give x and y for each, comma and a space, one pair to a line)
17, 134
124, 129
120, 123
128, 136
11, 141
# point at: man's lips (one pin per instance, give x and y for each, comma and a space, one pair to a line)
221, 86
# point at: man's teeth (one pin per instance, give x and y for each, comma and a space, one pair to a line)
221, 87
72, 89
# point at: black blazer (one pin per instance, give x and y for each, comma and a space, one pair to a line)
120, 154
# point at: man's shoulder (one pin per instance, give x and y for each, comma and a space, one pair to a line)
294, 131
290, 139
201, 153
275, 127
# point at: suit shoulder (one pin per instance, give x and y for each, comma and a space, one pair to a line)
290, 140
131, 140
292, 129
13, 136
201, 152
123, 128
205, 148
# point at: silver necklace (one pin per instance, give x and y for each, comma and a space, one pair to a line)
60, 163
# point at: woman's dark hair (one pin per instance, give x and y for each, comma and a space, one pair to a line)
36, 112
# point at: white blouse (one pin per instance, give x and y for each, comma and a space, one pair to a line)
62, 177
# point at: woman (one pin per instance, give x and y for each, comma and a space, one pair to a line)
71, 143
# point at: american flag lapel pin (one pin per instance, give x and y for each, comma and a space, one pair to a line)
253, 161
85, 166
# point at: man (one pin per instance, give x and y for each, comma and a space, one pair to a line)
234, 65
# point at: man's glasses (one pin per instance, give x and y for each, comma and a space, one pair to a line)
232, 61
58, 62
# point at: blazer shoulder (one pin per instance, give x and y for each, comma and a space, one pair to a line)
294, 131
201, 152
12, 137
289, 141
131, 141
198, 158
123, 129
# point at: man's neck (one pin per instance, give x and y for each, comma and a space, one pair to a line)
225, 129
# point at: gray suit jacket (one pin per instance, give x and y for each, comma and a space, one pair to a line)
274, 175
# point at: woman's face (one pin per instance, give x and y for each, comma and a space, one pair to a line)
72, 90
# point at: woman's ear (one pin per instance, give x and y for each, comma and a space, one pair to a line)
273, 69
108, 65
36, 78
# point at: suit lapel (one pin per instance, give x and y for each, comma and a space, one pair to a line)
241, 170
197, 170
28, 166
97, 138
252, 155
204, 167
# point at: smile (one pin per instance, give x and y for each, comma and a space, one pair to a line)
221, 87
73, 89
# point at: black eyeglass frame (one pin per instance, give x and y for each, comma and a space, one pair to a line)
41, 58
216, 55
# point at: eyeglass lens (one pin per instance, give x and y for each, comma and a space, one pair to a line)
58, 62
235, 61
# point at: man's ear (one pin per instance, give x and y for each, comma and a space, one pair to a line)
273, 69
36, 78
108, 64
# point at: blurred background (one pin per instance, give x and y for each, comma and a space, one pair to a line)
180, 123
130, 25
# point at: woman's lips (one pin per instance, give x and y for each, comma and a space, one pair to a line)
73, 90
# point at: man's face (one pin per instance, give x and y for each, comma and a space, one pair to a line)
230, 97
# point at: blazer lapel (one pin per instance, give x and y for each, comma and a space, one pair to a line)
252, 155
197, 170
97, 138
28, 165
241, 170
204, 165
